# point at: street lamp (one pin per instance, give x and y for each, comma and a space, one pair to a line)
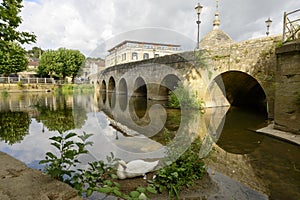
268, 24
198, 9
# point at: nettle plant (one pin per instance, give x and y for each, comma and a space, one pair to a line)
101, 177
59, 166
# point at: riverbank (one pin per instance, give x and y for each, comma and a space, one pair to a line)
20, 182
13, 88
17, 181
289, 137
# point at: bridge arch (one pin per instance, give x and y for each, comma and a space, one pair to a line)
123, 94
242, 90
111, 84
140, 87
168, 83
103, 91
111, 92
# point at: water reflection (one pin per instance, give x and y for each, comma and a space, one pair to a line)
238, 134
13, 126
261, 162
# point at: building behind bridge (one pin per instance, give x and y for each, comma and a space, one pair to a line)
130, 51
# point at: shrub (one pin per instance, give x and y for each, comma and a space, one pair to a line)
183, 97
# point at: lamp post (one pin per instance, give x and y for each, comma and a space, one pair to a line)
268, 24
198, 9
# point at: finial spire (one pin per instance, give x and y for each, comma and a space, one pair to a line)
216, 23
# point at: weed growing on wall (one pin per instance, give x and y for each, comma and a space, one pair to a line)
183, 97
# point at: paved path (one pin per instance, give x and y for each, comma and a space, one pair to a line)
269, 130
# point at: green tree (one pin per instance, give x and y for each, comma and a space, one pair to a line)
9, 22
74, 60
13, 59
35, 52
48, 64
63, 62
12, 56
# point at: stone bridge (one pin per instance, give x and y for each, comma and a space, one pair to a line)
222, 72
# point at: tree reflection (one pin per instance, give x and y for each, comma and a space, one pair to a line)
59, 116
13, 126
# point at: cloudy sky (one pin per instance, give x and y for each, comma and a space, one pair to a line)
87, 24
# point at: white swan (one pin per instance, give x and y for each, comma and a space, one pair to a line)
134, 168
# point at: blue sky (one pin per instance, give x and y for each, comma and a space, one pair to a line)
86, 24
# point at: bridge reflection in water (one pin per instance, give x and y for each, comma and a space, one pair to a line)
230, 145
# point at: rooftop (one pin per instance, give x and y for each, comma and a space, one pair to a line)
139, 42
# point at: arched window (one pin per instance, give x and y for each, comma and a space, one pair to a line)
134, 56
146, 56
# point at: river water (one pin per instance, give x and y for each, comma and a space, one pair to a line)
230, 144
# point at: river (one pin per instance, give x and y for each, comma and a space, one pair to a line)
230, 144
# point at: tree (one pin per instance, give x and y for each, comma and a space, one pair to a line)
35, 52
73, 61
12, 56
62, 62
13, 59
9, 22
49, 63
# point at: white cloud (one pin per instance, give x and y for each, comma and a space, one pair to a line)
85, 24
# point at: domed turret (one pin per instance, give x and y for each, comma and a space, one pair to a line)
216, 37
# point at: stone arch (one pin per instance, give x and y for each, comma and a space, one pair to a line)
169, 83
241, 90
111, 84
140, 87
139, 98
123, 94
111, 92
103, 91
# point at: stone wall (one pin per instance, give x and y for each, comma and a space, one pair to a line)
198, 70
287, 97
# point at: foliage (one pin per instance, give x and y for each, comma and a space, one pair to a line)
59, 166
62, 62
183, 97
101, 177
12, 56
19, 83
278, 44
35, 52
76, 89
4, 93
12, 130
12, 59
182, 173
9, 22
98, 177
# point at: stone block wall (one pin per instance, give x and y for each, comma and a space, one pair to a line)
287, 96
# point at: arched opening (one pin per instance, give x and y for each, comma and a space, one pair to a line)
111, 84
103, 91
169, 83
140, 87
123, 94
248, 112
242, 90
139, 99
111, 92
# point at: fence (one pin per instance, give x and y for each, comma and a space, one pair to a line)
291, 26
11, 80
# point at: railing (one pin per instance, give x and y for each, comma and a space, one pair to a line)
291, 26
11, 80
